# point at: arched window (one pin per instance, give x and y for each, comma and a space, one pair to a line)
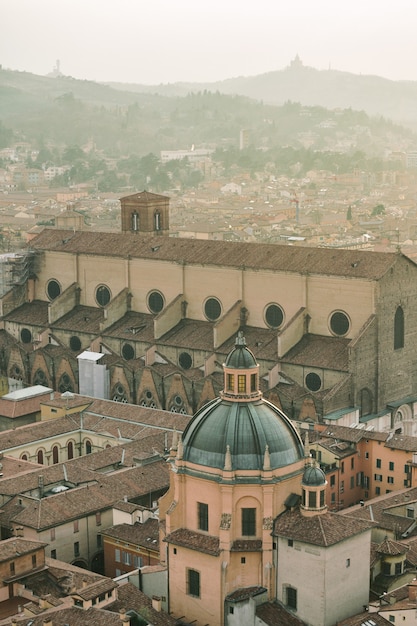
40, 457
70, 450
157, 218
135, 221
88, 446
399, 329
365, 401
55, 455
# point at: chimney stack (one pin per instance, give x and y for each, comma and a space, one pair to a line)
156, 603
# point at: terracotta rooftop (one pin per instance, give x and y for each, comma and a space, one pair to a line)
194, 541
81, 501
17, 546
325, 529
94, 589
387, 510
353, 435
392, 548
346, 263
144, 535
272, 613
319, 351
131, 598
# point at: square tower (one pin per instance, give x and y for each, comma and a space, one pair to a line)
145, 212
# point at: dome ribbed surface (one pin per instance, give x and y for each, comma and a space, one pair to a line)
247, 427
313, 476
240, 358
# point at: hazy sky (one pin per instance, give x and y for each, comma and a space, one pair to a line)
161, 41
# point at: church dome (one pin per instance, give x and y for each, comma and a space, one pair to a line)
241, 430
240, 357
313, 476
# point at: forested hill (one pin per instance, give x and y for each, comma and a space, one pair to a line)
64, 111
396, 100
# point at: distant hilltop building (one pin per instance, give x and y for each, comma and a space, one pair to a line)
56, 71
194, 154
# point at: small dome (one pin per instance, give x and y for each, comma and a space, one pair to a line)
313, 476
240, 357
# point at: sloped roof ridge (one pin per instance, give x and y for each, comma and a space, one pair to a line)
360, 264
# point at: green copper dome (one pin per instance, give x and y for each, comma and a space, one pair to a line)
240, 430
313, 476
247, 428
240, 357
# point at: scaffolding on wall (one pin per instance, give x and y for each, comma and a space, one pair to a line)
15, 269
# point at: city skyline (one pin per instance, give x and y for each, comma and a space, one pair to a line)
186, 41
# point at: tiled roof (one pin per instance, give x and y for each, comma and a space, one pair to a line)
139, 414
392, 548
37, 431
94, 589
402, 442
345, 433
16, 546
81, 318
364, 618
131, 598
249, 545
33, 313
319, 351
244, 593
273, 613
75, 503
346, 263
194, 541
325, 529
144, 535
74, 616
387, 510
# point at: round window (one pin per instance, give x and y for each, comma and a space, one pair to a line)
212, 309
102, 295
155, 302
339, 323
128, 352
185, 360
25, 335
75, 343
53, 289
274, 315
313, 381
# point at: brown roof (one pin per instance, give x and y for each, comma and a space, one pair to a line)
143, 535
131, 598
16, 546
94, 589
402, 442
387, 510
353, 435
194, 541
273, 613
81, 501
325, 529
346, 263
392, 548
33, 313
319, 351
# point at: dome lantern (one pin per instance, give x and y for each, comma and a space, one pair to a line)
241, 373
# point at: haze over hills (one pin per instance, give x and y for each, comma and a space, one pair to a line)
64, 111
396, 100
